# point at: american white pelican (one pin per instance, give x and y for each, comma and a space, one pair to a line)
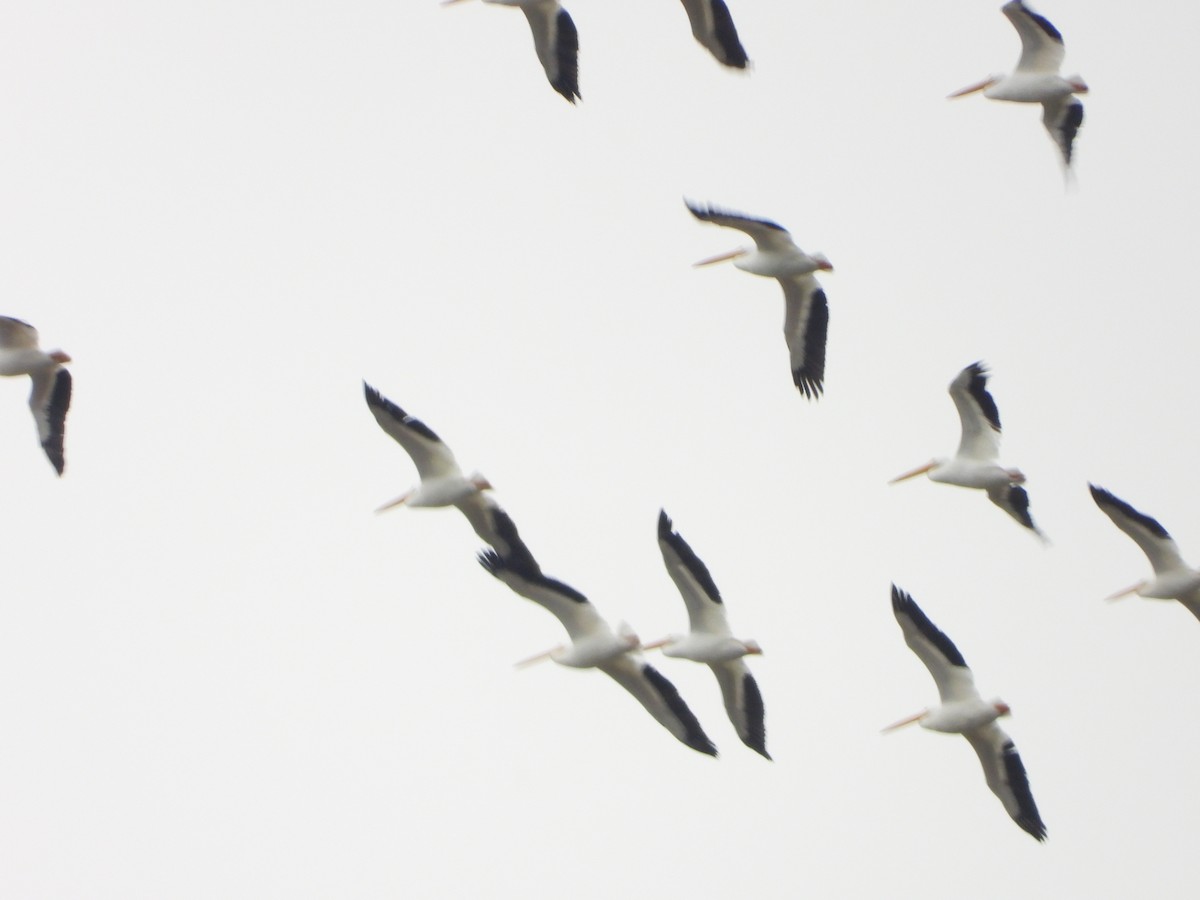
975, 464
1173, 579
1036, 78
555, 40
595, 645
713, 27
806, 317
710, 641
50, 396
443, 483
964, 711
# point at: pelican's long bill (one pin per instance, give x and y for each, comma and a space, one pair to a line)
720, 257
920, 470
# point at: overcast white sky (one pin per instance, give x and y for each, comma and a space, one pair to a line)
221, 676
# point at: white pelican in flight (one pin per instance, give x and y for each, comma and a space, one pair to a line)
710, 641
975, 464
595, 645
443, 482
50, 396
1036, 78
1173, 579
713, 27
555, 40
806, 315
964, 712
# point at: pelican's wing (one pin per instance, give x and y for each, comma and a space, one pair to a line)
706, 610
497, 528
571, 608
557, 45
49, 400
1006, 776
978, 413
713, 27
767, 235
660, 698
432, 458
1062, 119
1158, 546
1013, 499
1191, 601
17, 335
743, 703
805, 327
947, 666
1041, 44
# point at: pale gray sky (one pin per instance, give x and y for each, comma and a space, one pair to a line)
222, 676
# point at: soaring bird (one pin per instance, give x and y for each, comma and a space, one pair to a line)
1173, 579
555, 40
713, 27
710, 640
964, 711
443, 483
975, 466
595, 645
806, 315
1036, 78
50, 396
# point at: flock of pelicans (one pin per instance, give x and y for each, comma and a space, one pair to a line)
593, 642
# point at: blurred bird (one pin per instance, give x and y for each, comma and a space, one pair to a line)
595, 645
555, 40
443, 483
50, 396
964, 711
1036, 78
710, 640
806, 314
1173, 579
975, 466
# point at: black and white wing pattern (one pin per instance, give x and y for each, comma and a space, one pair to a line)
1160, 548
577, 614
706, 615
1005, 774
743, 703
49, 400
767, 235
713, 28
706, 609
1042, 48
978, 414
433, 459
1063, 119
557, 45
1014, 500
949, 670
660, 698
806, 330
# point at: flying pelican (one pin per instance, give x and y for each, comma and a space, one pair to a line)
975, 466
710, 641
1036, 78
555, 40
50, 396
806, 317
595, 645
964, 712
443, 483
713, 27
1173, 579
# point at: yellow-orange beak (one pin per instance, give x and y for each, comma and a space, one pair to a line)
920, 470
723, 257
910, 720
